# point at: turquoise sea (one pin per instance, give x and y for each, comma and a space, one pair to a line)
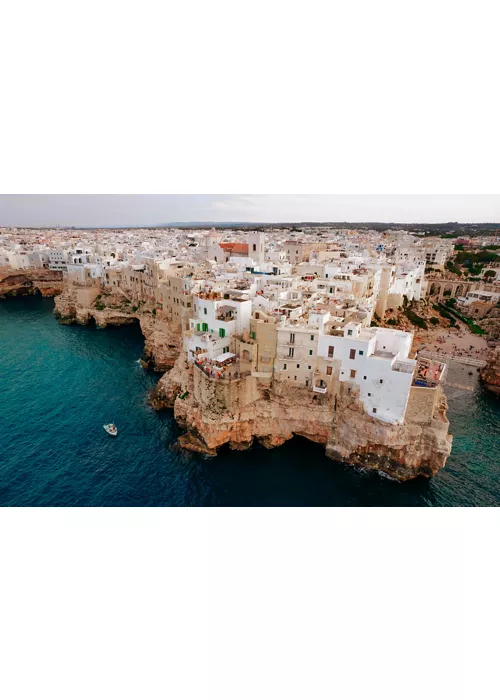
60, 384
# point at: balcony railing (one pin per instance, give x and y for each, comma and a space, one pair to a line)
320, 389
405, 367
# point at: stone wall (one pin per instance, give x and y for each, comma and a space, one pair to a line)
217, 397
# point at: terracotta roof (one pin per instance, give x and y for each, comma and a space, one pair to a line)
241, 248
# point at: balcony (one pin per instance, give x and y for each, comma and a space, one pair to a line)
405, 367
320, 389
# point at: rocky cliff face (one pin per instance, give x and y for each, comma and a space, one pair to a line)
14, 283
237, 413
419, 447
105, 308
491, 324
490, 375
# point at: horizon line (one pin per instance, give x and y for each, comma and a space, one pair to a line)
257, 223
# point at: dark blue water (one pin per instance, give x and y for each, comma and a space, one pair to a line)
60, 384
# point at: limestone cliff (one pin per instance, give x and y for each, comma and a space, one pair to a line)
14, 283
419, 447
257, 407
84, 305
491, 324
490, 375
238, 412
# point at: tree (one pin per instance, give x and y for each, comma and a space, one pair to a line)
490, 273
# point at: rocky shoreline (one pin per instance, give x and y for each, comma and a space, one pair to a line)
490, 375
93, 305
270, 413
260, 409
13, 283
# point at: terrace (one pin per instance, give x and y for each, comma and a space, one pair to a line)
226, 367
429, 373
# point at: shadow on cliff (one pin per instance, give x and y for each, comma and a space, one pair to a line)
299, 474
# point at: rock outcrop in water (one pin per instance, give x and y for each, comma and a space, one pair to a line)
84, 305
14, 283
490, 375
237, 412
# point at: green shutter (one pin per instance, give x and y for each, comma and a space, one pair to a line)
205, 327
222, 332
198, 327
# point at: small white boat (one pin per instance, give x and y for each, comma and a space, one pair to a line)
111, 429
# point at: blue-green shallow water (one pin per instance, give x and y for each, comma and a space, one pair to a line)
60, 384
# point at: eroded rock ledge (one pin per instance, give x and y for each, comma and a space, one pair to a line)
490, 375
14, 283
84, 305
236, 413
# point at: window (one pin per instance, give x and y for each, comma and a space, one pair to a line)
222, 332
205, 311
226, 349
291, 352
369, 394
381, 381
204, 327
364, 378
329, 371
374, 410
353, 374
284, 366
331, 350
298, 366
254, 247
312, 337
352, 355
361, 352
292, 337
307, 382
310, 352
349, 332
295, 378
309, 367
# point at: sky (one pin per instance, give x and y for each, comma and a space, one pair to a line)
112, 210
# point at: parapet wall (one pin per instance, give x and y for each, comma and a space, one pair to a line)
217, 396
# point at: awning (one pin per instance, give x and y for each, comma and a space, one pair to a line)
225, 357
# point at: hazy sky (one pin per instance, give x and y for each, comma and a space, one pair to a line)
135, 210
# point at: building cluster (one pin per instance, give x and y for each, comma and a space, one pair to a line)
293, 306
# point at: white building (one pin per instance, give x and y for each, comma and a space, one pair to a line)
217, 318
375, 360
